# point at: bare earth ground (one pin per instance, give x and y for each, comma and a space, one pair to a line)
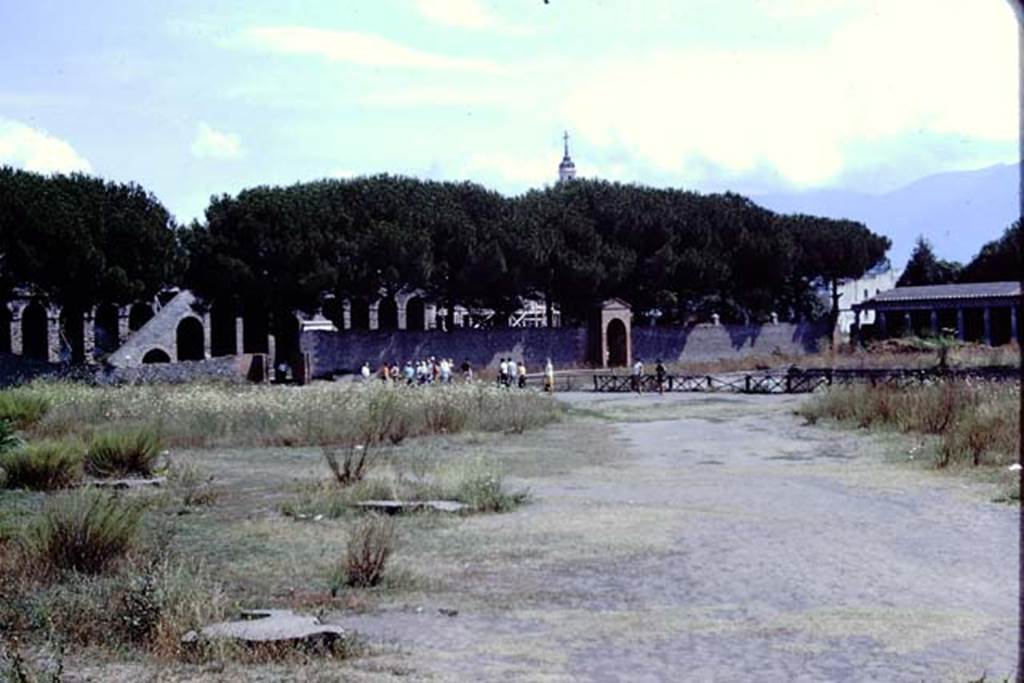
685, 537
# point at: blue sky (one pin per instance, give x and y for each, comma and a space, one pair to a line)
194, 98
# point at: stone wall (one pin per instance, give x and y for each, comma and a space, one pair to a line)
18, 370
340, 352
698, 343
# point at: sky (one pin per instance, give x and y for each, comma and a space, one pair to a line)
193, 99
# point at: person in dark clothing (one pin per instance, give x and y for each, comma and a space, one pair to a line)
659, 376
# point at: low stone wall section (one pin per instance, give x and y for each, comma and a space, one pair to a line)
342, 352
700, 343
16, 370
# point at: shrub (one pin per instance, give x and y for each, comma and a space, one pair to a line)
9, 439
187, 481
85, 531
123, 453
22, 407
480, 485
370, 543
43, 466
351, 467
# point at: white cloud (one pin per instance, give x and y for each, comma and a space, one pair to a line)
458, 13
357, 48
214, 144
517, 169
894, 69
36, 150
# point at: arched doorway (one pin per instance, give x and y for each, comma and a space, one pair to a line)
138, 315
223, 340
286, 339
189, 339
616, 336
35, 338
387, 314
255, 329
155, 356
5, 329
415, 314
359, 315
72, 334
105, 331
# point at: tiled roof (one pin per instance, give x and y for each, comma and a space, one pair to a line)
973, 290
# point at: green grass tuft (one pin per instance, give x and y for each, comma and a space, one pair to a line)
84, 531
123, 453
42, 466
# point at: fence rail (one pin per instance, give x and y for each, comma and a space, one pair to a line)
799, 381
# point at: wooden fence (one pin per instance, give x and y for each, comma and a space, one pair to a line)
799, 381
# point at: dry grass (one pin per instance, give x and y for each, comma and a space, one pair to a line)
973, 422
323, 414
892, 353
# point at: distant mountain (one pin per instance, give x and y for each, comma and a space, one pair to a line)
958, 211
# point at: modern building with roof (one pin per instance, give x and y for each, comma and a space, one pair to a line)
986, 312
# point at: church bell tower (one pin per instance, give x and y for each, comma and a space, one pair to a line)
566, 169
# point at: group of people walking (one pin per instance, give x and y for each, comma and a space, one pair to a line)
425, 371
660, 376
442, 371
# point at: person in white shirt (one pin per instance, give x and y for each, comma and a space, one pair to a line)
638, 373
366, 372
512, 372
503, 372
549, 376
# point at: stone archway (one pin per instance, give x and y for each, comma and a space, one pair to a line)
189, 339
618, 350
35, 332
610, 335
224, 328
359, 314
106, 336
155, 356
416, 314
387, 313
5, 329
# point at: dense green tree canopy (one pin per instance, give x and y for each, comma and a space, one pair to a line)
668, 252
78, 240
998, 261
923, 268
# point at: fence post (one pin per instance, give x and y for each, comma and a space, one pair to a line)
710, 386
789, 384
746, 384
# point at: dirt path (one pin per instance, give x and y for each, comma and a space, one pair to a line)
732, 543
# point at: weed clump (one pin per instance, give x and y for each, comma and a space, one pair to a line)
84, 531
371, 542
42, 466
22, 407
974, 423
123, 453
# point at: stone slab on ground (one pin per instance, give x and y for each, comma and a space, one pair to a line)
127, 483
270, 626
394, 507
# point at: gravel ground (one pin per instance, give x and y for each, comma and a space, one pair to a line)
726, 541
